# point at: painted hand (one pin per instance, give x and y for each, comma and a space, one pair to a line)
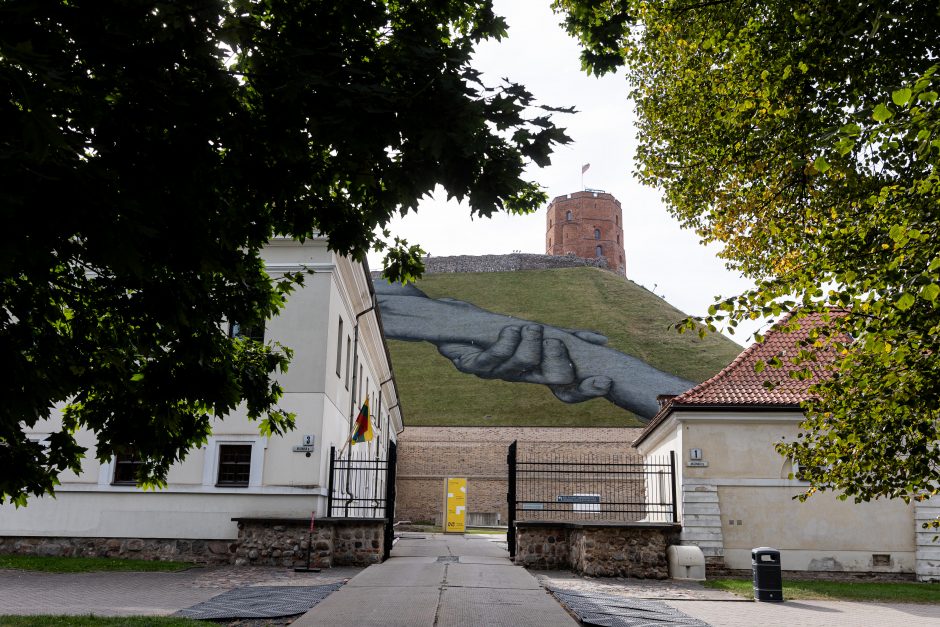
522, 354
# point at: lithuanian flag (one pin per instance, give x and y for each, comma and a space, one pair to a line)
363, 428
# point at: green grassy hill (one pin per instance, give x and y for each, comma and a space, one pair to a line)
637, 322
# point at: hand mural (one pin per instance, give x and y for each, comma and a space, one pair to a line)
574, 364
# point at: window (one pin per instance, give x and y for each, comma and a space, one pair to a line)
348, 344
568, 216
618, 238
234, 465
359, 384
598, 251
252, 332
339, 347
125, 469
597, 233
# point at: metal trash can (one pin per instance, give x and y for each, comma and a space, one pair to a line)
768, 583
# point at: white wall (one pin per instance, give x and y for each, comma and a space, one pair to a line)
282, 483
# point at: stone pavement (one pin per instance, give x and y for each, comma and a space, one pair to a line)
438, 580
140, 594
724, 609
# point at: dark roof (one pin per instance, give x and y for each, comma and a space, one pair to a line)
740, 386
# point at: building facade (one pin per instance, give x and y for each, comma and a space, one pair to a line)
587, 225
340, 358
737, 493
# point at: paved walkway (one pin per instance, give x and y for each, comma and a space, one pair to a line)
438, 580
140, 594
431, 580
724, 609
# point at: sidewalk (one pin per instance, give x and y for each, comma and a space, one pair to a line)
140, 594
441, 580
723, 609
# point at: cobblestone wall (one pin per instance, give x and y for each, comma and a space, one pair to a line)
616, 550
504, 263
264, 542
156, 549
428, 455
283, 542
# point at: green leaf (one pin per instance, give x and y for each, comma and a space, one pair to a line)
821, 164
929, 292
901, 97
904, 302
882, 113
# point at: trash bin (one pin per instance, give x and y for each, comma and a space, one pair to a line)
768, 583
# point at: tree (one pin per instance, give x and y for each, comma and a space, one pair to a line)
804, 136
149, 151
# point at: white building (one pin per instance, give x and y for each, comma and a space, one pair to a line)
737, 493
340, 358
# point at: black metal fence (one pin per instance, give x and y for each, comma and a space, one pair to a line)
592, 487
359, 488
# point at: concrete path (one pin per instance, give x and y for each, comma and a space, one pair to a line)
437, 580
719, 608
140, 594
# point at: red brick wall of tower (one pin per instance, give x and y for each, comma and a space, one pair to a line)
595, 219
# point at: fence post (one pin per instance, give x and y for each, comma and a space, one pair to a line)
511, 501
672, 476
329, 493
391, 470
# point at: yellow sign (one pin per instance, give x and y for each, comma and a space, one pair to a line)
456, 505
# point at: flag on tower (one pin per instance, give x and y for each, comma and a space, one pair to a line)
585, 167
363, 428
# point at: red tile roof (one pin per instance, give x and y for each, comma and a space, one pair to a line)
740, 385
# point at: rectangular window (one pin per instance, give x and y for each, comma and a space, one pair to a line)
348, 354
359, 384
253, 332
234, 465
125, 469
339, 347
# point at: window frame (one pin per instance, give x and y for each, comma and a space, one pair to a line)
118, 464
339, 348
219, 483
235, 330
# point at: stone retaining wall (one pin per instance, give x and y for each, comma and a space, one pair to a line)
505, 263
283, 542
597, 549
263, 542
156, 549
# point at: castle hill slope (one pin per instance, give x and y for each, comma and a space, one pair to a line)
433, 392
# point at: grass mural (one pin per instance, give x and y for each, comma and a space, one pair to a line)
635, 321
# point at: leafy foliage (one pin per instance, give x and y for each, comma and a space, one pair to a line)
804, 136
150, 149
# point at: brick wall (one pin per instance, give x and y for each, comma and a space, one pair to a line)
595, 220
428, 455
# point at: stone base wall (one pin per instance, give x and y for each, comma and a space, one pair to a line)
155, 549
283, 542
261, 542
598, 550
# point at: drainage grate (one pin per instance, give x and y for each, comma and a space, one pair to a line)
606, 611
448, 559
260, 602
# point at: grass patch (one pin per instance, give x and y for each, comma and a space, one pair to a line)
50, 620
902, 592
86, 564
635, 320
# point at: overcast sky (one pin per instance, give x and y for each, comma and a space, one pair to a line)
660, 255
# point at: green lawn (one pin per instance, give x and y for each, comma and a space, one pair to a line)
49, 620
635, 320
840, 590
86, 564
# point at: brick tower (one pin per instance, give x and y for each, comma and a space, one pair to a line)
588, 225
